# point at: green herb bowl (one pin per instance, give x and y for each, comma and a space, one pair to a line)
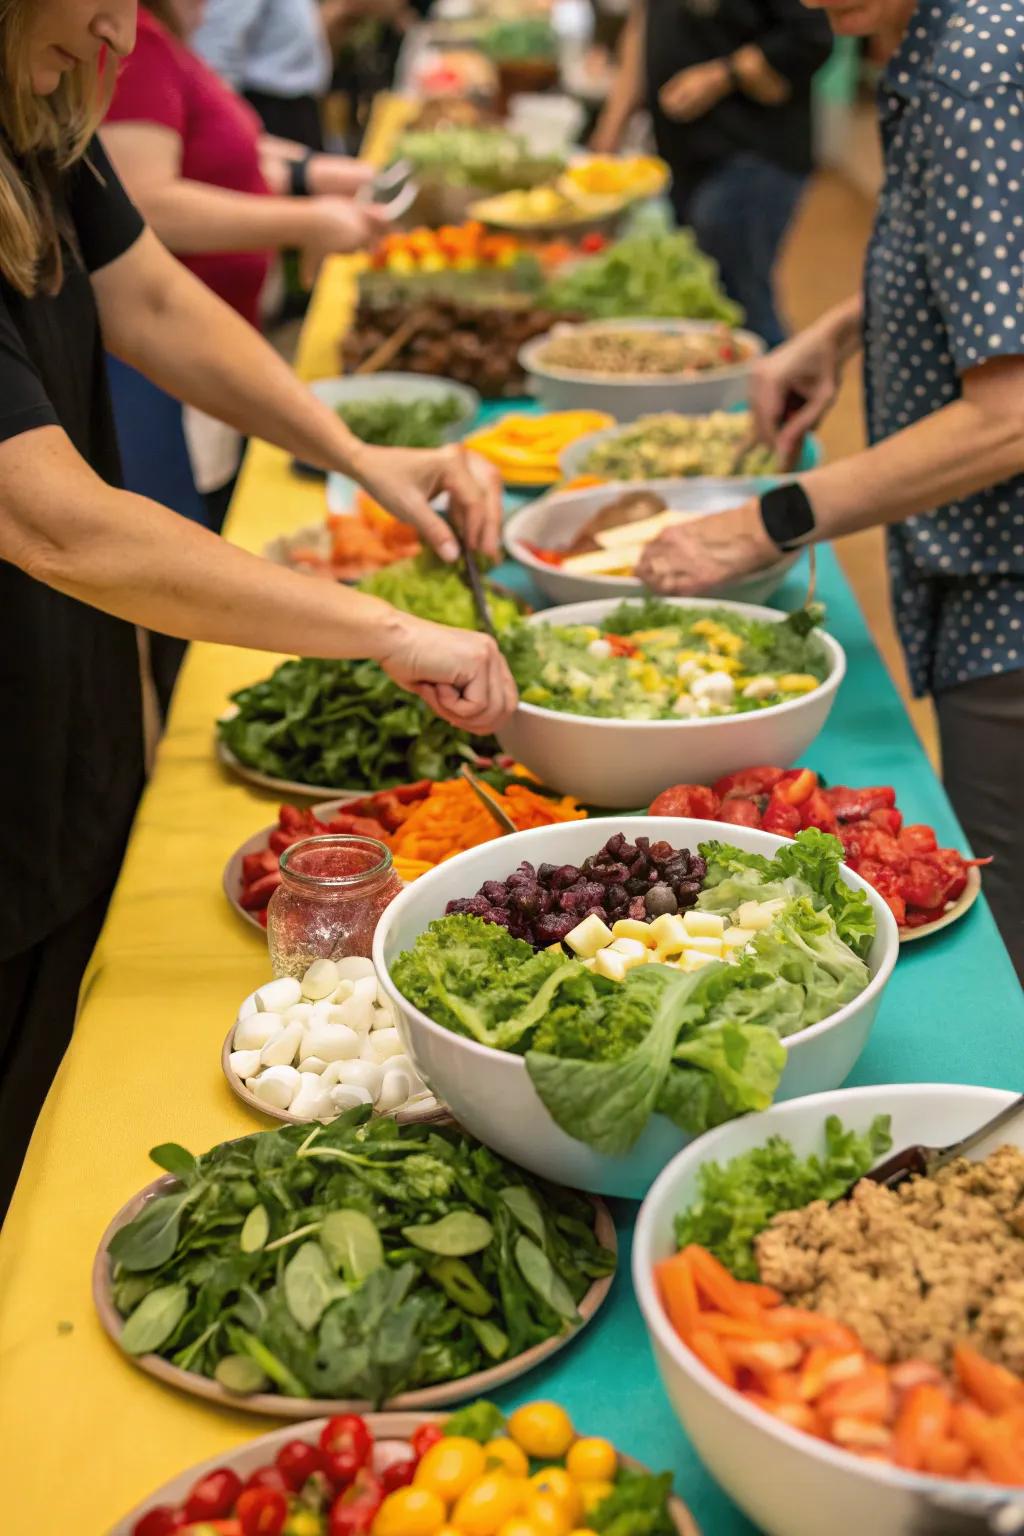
490, 1092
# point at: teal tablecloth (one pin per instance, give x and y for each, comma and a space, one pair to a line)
953, 1012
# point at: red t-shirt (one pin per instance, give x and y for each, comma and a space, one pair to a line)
163, 82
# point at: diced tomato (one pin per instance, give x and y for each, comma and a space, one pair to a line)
592, 243
888, 818
255, 896
694, 800
291, 819
354, 1511
297, 1461
621, 645
545, 556
917, 838
269, 1477
749, 781
780, 817
262, 1512
923, 884
815, 811
256, 865
857, 804
279, 840
873, 843
740, 812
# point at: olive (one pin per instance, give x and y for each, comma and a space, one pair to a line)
660, 901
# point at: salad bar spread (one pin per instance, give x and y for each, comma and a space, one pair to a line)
668, 446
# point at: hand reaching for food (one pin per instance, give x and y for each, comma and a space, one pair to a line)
707, 551
459, 673
405, 480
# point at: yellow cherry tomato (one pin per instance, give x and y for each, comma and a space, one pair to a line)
488, 1503
410, 1512
592, 1460
449, 1466
543, 1430
556, 1480
506, 1454
593, 1493
548, 1513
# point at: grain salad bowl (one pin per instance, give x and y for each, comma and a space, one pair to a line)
789, 1483
621, 763
490, 1092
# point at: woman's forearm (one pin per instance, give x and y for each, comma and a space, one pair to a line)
190, 217
627, 88
157, 317
958, 451
133, 558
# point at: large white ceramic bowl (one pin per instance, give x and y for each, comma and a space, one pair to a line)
788, 1483
490, 1092
627, 396
552, 521
623, 763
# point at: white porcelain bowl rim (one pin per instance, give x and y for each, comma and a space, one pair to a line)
658, 1324
836, 655
887, 925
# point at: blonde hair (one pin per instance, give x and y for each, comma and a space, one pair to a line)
40, 137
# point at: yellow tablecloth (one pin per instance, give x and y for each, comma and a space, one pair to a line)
83, 1435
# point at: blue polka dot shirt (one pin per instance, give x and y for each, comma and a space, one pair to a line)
944, 293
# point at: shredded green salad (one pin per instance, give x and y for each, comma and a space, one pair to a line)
699, 1047
657, 660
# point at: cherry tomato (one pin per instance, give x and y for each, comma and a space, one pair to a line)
262, 1511
815, 811
354, 1511
297, 1462
160, 1521
686, 800
424, 1437
346, 1444
269, 1477
213, 1497
399, 1474
740, 812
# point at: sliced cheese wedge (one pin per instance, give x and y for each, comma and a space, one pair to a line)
605, 562
639, 533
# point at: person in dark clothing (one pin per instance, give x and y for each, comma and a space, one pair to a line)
728, 85
83, 562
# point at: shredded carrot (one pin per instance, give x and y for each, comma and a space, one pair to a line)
451, 819
679, 1294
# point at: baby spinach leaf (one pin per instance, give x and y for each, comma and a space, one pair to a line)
255, 1230
154, 1319
454, 1236
280, 1374
352, 1244
176, 1160
493, 1342
149, 1240
459, 1283
535, 1268
370, 1341
240, 1375
310, 1285
523, 1205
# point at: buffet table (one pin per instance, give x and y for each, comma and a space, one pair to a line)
84, 1433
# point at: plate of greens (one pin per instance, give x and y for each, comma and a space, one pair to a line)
347, 1266
343, 728
401, 410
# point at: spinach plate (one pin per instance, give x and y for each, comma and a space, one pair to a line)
385, 1258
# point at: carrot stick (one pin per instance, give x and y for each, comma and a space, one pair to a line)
726, 1327
709, 1351
946, 1458
867, 1396
717, 1286
995, 1442
825, 1366
812, 1326
679, 1295
924, 1422
992, 1386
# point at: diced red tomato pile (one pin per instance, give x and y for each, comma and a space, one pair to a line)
812, 1372
340, 1478
376, 815
904, 863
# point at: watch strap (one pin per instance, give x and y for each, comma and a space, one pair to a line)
787, 515
298, 175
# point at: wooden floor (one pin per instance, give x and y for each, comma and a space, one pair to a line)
822, 264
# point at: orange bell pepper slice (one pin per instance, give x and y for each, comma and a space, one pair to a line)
679, 1295
992, 1386
796, 790
923, 1423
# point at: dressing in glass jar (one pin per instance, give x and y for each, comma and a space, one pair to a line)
333, 890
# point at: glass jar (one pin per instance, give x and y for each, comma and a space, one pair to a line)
332, 893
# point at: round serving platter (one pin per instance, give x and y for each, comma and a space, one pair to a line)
275, 1405
231, 880
228, 760
435, 1114
245, 1459
956, 910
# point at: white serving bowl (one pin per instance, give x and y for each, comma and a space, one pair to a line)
788, 1483
627, 396
490, 1093
553, 520
401, 386
620, 762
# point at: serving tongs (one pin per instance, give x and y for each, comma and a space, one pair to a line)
477, 588
394, 191
500, 816
922, 1161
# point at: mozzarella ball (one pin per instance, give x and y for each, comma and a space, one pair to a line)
384, 1043
283, 1049
276, 1086
256, 1031
354, 966
394, 1090
347, 1096
278, 995
320, 980
244, 1063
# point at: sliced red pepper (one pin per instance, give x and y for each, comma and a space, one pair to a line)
621, 645
545, 556
857, 804
815, 811
780, 817
889, 819
796, 785
255, 896
749, 781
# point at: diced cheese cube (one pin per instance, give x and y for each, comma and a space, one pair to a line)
693, 959
633, 928
599, 649
758, 914
554, 949
669, 932
708, 925
631, 950
705, 943
608, 963
589, 936
736, 938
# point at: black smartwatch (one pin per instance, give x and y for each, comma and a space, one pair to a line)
298, 176
787, 515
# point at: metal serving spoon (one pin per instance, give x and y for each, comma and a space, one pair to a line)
922, 1160
499, 815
